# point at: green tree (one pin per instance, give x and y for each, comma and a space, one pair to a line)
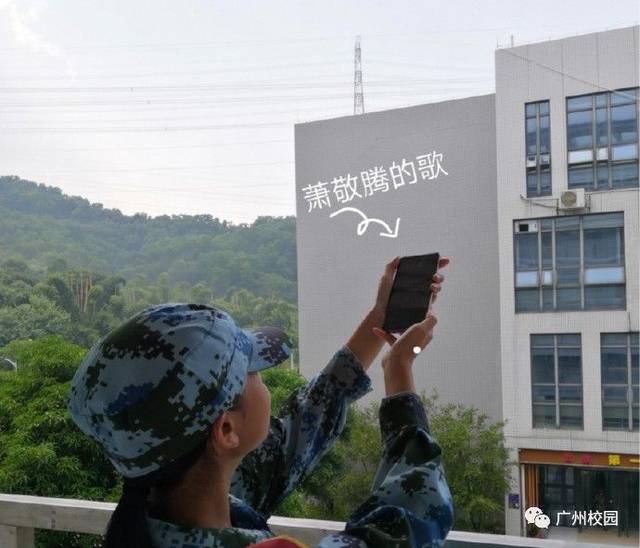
42, 452
475, 459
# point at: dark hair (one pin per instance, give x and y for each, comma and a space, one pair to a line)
127, 527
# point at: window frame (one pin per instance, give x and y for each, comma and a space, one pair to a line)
557, 385
538, 169
596, 163
629, 385
542, 272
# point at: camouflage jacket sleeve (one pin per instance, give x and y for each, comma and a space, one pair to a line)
310, 421
410, 503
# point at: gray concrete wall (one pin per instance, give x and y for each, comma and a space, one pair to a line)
454, 214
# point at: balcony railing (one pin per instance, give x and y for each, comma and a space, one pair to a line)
21, 515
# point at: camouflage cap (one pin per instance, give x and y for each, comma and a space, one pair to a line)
149, 390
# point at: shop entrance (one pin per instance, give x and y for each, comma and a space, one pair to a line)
569, 488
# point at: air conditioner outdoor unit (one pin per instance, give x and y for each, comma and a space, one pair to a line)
572, 199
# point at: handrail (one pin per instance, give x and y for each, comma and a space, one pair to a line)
20, 515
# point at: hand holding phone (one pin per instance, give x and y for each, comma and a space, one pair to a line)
411, 294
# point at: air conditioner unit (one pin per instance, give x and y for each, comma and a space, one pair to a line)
572, 199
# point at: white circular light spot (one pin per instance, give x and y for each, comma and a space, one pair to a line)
416, 350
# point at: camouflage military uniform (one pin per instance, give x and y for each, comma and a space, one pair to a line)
410, 504
149, 391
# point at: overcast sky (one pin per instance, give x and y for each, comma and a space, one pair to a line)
173, 107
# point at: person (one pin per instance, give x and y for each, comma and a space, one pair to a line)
175, 400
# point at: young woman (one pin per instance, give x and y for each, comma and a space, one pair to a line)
175, 399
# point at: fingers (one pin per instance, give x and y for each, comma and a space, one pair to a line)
444, 261
391, 265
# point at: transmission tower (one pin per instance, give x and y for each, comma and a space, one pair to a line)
358, 94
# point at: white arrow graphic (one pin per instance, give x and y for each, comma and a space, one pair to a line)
362, 225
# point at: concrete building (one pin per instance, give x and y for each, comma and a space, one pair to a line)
533, 193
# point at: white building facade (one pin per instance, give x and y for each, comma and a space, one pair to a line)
567, 120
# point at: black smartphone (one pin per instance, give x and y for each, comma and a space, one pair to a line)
411, 292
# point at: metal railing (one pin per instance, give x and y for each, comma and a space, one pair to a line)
21, 515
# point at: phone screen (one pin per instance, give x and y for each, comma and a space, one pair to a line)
411, 291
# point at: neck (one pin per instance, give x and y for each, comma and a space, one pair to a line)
200, 500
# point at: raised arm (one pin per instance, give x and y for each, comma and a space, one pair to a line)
410, 503
310, 421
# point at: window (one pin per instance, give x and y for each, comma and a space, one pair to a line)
619, 374
538, 145
571, 262
602, 140
556, 381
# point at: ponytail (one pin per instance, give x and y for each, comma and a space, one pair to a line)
127, 527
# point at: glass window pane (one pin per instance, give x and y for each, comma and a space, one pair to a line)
527, 251
635, 395
541, 340
532, 146
544, 393
634, 364
615, 418
568, 299
542, 365
544, 108
605, 297
611, 275
527, 279
576, 103
579, 156
570, 394
545, 145
635, 339
568, 277
581, 177
624, 175
567, 222
547, 277
580, 130
568, 340
602, 174
547, 299
527, 300
544, 415
614, 394
624, 96
547, 250
571, 416
635, 419
545, 183
614, 365
569, 366
546, 224
624, 152
603, 220
624, 124
532, 183
603, 246
613, 339
530, 110
567, 248
602, 130
601, 99
602, 153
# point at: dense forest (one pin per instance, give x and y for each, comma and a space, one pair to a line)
70, 271
75, 269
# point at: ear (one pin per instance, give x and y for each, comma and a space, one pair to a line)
224, 432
